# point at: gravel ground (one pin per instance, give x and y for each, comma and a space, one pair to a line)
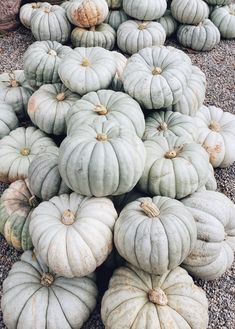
219, 67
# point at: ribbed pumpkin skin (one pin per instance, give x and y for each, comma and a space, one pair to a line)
51, 24
156, 90
15, 91
8, 119
156, 242
177, 177
116, 17
219, 2
216, 133
224, 19
28, 303
102, 168
87, 69
189, 11
168, 23
16, 205
193, 96
147, 10
211, 183
86, 13
41, 62
18, 149
48, 107
28, 9
102, 35
203, 37
44, 177
213, 253
120, 61
129, 294
120, 108
74, 249
65, 5
114, 4
135, 35
168, 123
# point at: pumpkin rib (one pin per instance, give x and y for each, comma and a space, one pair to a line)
61, 308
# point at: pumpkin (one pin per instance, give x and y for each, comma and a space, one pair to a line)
193, 96
213, 253
35, 297
135, 35
168, 23
189, 11
8, 119
120, 61
102, 35
219, 2
174, 167
211, 183
48, 106
18, 149
168, 123
73, 233
87, 69
224, 19
147, 10
15, 91
216, 133
86, 13
155, 234
107, 104
114, 4
41, 62
156, 77
102, 159
65, 5
44, 177
203, 37
28, 9
116, 17
50, 23
16, 205
137, 300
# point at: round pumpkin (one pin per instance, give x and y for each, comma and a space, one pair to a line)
72, 233
213, 253
135, 35
224, 19
168, 123
18, 149
35, 297
156, 77
44, 177
41, 62
147, 10
203, 37
8, 119
137, 300
15, 91
86, 13
102, 35
189, 11
168, 23
102, 159
109, 105
116, 17
48, 107
16, 205
120, 61
28, 9
114, 4
50, 23
216, 133
87, 69
155, 234
174, 167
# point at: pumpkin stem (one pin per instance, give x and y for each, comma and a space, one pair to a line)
68, 217
150, 209
47, 279
86, 62
214, 125
101, 110
47, 10
102, 137
33, 202
157, 296
35, 5
163, 126
157, 71
52, 52
92, 28
25, 151
60, 97
171, 154
14, 83
142, 26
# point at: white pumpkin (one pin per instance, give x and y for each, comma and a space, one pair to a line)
168, 23
8, 119
189, 11
28, 9
224, 19
120, 61
147, 10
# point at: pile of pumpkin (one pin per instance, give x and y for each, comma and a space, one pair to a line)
132, 24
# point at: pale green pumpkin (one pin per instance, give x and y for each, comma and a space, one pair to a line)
8, 119
189, 11
28, 9
168, 23
219, 2
147, 10
116, 17
224, 19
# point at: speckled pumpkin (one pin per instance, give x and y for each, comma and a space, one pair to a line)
189, 11
8, 119
120, 61
168, 23
147, 10
116, 17
224, 19
48, 107
18, 149
35, 297
73, 234
28, 9
137, 300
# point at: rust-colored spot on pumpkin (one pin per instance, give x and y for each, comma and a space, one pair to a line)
87, 15
212, 151
32, 105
